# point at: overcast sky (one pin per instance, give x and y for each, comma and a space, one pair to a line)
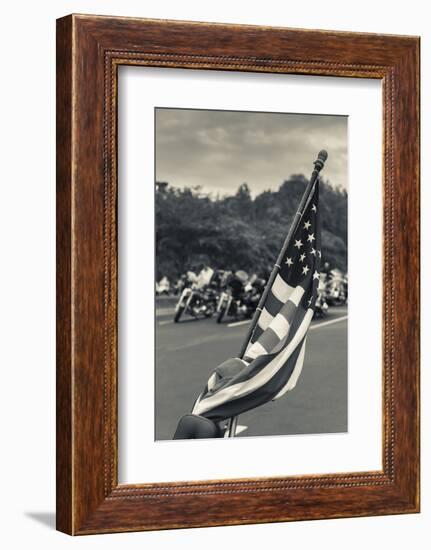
219, 150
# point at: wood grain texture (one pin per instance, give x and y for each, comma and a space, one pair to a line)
64, 496
90, 49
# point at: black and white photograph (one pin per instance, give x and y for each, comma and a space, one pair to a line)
251, 273
213, 226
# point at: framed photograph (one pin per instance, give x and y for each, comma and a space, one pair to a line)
237, 274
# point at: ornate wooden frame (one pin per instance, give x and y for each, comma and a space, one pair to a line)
89, 51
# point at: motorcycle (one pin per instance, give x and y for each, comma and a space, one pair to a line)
196, 302
240, 299
225, 306
321, 306
336, 293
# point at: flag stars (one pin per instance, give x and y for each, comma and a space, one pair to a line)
313, 251
307, 225
316, 275
289, 261
313, 208
305, 270
298, 244
302, 257
309, 301
311, 238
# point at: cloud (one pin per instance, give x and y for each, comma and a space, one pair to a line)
219, 150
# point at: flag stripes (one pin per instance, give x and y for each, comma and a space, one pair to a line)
293, 378
262, 373
277, 326
281, 290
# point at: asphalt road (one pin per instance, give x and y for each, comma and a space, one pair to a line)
186, 353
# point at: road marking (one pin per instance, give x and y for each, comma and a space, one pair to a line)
238, 323
163, 311
329, 322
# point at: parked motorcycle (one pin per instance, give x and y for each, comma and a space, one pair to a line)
336, 293
321, 306
163, 287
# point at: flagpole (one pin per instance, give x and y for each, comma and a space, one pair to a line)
318, 165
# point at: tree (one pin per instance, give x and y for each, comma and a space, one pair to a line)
239, 231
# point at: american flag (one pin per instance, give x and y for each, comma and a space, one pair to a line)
275, 354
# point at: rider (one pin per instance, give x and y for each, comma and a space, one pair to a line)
204, 277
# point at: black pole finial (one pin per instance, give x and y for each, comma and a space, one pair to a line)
321, 159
